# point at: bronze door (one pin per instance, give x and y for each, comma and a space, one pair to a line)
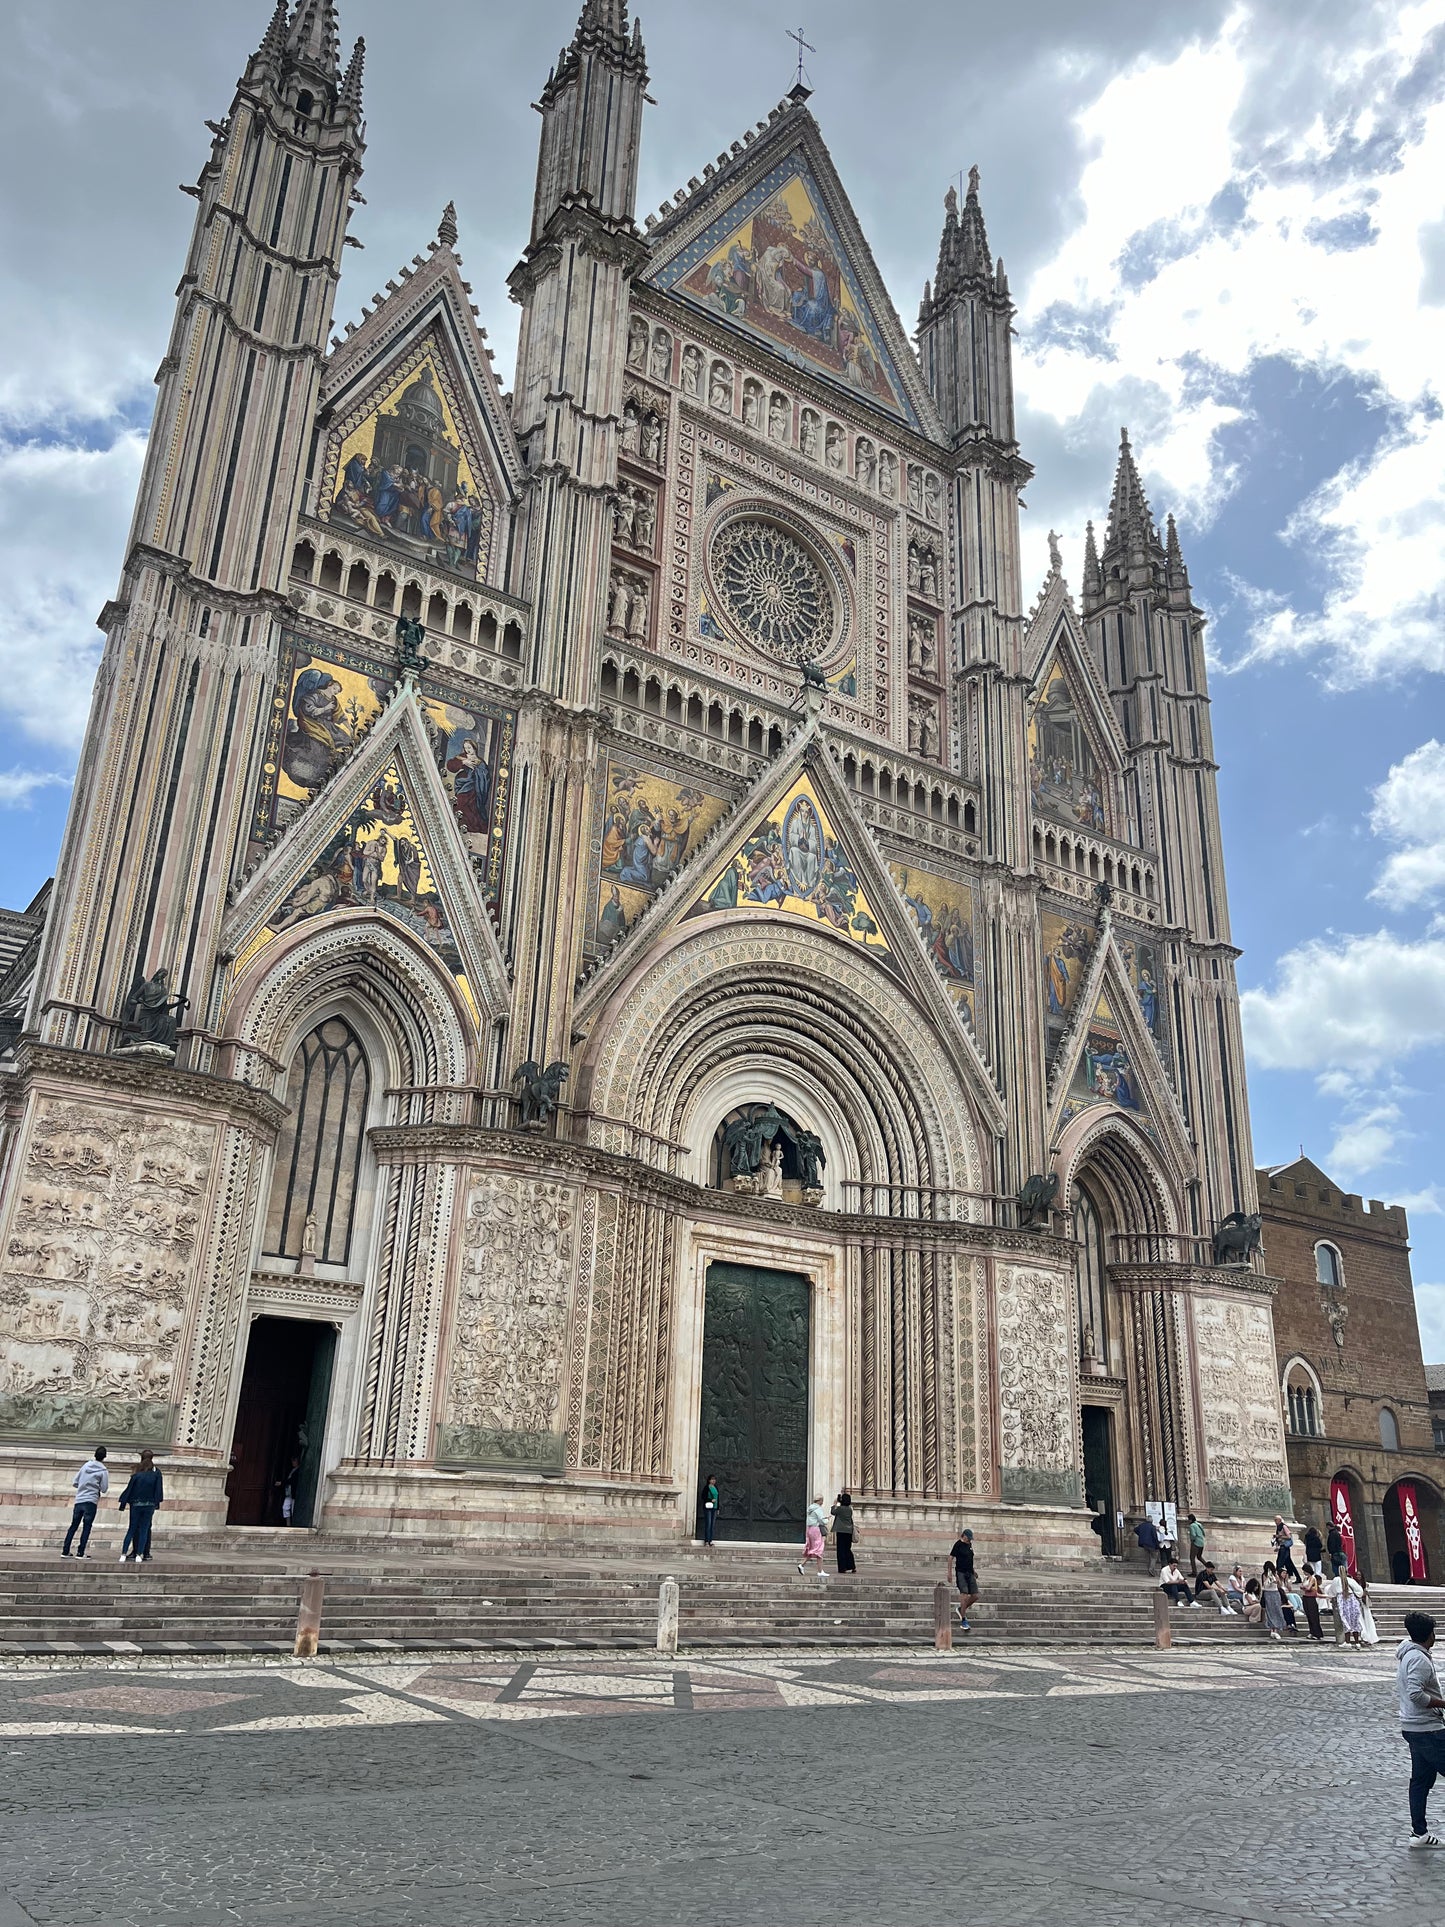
754, 1434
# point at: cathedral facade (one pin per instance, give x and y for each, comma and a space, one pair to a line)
600, 940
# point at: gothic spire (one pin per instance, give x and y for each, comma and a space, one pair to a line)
447, 226
1093, 576
313, 39
963, 256
1131, 522
273, 41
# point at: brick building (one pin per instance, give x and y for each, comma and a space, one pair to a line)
1352, 1378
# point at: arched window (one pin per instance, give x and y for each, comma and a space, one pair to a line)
1328, 1268
318, 1155
1389, 1430
1089, 1272
1303, 1401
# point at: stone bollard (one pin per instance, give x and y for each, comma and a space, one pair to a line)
308, 1619
1163, 1631
667, 1617
942, 1618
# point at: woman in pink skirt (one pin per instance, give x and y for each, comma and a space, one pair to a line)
813, 1540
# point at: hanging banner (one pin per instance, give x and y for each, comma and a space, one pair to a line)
1410, 1520
1340, 1511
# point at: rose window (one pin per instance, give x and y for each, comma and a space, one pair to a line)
774, 591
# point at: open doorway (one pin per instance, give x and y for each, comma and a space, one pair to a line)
281, 1421
1099, 1473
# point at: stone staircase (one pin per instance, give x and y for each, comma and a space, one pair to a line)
206, 1605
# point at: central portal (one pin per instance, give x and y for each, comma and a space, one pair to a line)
754, 1433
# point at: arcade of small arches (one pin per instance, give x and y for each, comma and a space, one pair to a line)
481, 617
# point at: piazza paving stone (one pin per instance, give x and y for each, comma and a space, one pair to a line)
386, 1791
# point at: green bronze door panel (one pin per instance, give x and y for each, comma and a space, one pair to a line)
754, 1434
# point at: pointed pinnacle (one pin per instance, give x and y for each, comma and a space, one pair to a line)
351, 86
447, 226
963, 251
1093, 577
1131, 522
273, 41
313, 36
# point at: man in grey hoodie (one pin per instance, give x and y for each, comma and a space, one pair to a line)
91, 1483
1421, 1707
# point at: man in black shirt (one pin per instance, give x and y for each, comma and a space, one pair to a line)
1335, 1546
961, 1573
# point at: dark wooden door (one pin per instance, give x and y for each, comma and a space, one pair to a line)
271, 1418
754, 1433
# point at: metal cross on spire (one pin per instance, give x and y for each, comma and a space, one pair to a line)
804, 46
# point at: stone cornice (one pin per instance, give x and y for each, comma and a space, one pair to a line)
53, 1066
556, 1158
1201, 1280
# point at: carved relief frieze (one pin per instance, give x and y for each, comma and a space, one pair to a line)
509, 1344
1239, 1406
97, 1268
1033, 1314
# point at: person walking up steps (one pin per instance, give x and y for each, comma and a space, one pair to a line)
813, 1538
91, 1483
963, 1574
1422, 1727
142, 1495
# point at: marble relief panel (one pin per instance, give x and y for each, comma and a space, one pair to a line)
1033, 1320
97, 1268
1239, 1405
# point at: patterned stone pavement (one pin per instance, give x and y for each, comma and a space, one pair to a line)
1003, 1788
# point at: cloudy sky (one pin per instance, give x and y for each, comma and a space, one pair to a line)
1220, 229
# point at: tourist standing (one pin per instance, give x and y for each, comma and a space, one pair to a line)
1196, 1545
144, 1492
709, 1509
1335, 1547
813, 1540
1314, 1549
91, 1483
1147, 1533
1272, 1601
1422, 1727
1347, 1605
964, 1574
843, 1532
1310, 1594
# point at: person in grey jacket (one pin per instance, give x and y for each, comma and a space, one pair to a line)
143, 1494
1421, 1705
91, 1483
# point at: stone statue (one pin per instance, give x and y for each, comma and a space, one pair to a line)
933, 498
812, 1158
813, 677
864, 462
637, 342
540, 1093
746, 1139
661, 355
1056, 560
836, 448
646, 518
151, 1014
808, 434
770, 1172
631, 436
720, 388
752, 405
1036, 1200
410, 635
624, 516
779, 415
691, 370
1236, 1238
651, 439
887, 475
928, 575
307, 1265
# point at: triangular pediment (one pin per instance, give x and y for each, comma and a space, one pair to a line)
1109, 1058
418, 453
793, 847
1075, 749
771, 248
382, 839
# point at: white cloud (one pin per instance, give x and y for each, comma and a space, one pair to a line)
1409, 809
1214, 234
1426, 1203
1341, 1002
17, 786
1365, 1142
64, 511
1430, 1310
